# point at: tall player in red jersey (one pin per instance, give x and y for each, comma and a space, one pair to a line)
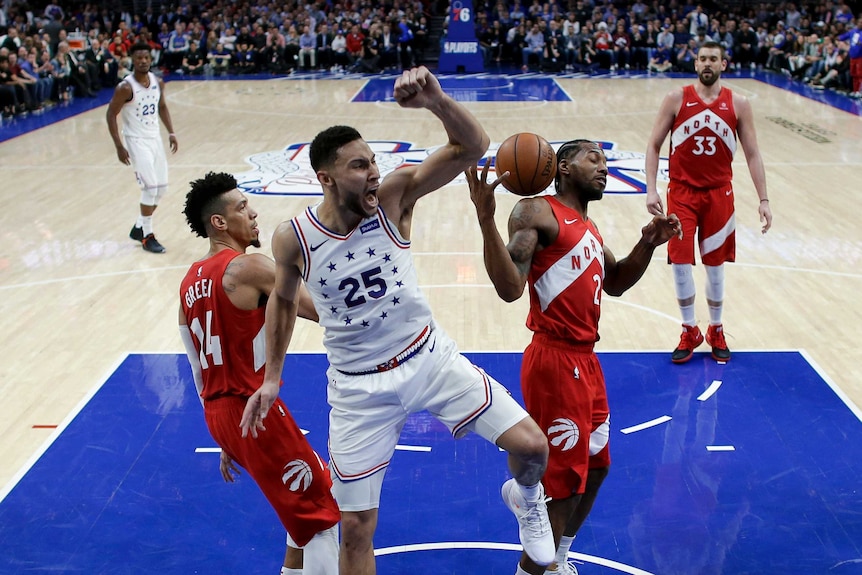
704, 120
222, 303
556, 250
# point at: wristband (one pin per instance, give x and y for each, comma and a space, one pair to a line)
761, 201
174, 135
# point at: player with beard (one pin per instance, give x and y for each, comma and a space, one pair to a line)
704, 120
556, 250
387, 356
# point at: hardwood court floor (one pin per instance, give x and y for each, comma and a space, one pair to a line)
76, 294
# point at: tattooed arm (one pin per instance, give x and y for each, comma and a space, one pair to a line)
508, 265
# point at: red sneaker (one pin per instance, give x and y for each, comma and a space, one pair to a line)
691, 338
715, 338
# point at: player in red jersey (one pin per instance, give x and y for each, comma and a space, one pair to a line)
556, 250
704, 120
222, 303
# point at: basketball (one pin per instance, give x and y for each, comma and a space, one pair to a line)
530, 161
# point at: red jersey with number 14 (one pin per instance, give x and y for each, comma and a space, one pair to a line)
566, 280
703, 140
230, 369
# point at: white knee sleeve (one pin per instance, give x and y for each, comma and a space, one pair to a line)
152, 196
715, 283
683, 281
320, 555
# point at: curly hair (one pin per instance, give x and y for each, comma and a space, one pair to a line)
205, 199
326, 144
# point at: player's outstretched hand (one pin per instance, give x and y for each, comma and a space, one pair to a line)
481, 191
417, 88
256, 409
661, 229
229, 470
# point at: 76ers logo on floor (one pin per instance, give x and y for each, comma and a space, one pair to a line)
288, 172
297, 475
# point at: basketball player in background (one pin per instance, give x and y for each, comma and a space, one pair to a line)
388, 358
556, 250
704, 120
141, 99
222, 307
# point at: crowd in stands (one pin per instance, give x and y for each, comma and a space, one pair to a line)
50, 54
814, 43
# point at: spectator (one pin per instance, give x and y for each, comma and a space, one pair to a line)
355, 41
323, 46
340, 58
307, 49
534, 45
193, 62
219, 59
603, 44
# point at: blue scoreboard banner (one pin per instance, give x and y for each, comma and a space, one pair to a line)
460, 51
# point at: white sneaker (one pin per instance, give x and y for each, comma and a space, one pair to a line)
534, 528
567, 568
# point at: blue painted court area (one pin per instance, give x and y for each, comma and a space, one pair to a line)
477, 88
747, 468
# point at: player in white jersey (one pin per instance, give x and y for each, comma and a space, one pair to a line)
387, 356
140, 98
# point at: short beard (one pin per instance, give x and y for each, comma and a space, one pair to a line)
709, 82
255, 243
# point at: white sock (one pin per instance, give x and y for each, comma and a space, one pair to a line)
286, 571
531, 492
715, 292
147, 224
563, 549
521, 571
684, 284
139, 223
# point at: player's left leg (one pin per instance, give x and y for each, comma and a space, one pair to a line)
717, 246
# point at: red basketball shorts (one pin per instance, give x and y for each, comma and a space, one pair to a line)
564, 392
706, 215
288, 471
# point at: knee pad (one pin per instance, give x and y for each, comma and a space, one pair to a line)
149, 196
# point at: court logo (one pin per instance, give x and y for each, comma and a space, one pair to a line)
297, 475
288, 172
564, 432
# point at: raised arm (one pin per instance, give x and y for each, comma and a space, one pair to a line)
281, 312
418, 88
661, 128
623, 274
748, 139
507, 265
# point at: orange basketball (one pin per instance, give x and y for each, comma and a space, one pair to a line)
530, 161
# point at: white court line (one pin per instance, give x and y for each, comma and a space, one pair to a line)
60, 428
838, 391
447, 545
710, 391
720, 448
646, 424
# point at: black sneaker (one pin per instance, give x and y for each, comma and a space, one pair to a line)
691, 338
137, 234
151, 244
